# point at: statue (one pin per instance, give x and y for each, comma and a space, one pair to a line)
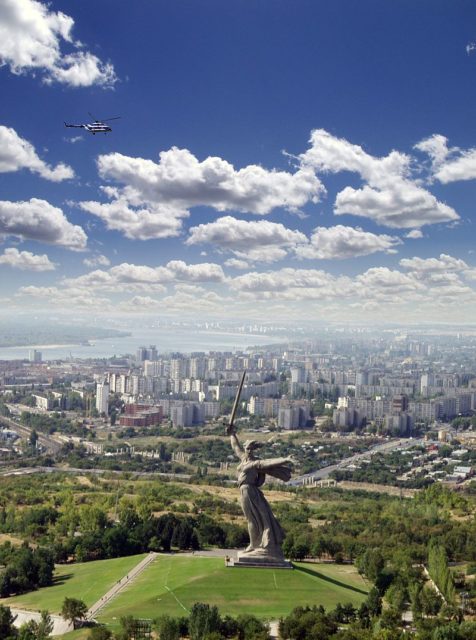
266, 534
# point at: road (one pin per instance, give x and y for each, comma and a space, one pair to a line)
48, 442
385, 447
26, 471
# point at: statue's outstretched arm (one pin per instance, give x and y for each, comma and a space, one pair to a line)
273, 462
236, 445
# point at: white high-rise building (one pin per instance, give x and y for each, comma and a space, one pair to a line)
34, 355
102, 397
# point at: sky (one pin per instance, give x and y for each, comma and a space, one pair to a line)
274, 161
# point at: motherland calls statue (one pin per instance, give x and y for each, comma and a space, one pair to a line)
266, 534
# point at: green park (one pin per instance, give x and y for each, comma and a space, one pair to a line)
174, 582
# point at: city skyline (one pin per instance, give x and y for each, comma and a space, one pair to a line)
272, 162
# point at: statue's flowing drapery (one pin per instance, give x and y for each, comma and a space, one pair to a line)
266, 534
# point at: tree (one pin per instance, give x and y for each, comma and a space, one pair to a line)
7, 630
370, 563
73, 610
374, 602
203, 620
430, 601
251, 628
33, 438
167, 628
396, 597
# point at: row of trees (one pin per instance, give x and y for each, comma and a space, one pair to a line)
135, 535
439, 571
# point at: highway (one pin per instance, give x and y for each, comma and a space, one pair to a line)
384, 447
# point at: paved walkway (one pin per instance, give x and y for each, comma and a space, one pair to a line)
60, 625
120, 585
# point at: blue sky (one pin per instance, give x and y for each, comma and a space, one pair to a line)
274, 161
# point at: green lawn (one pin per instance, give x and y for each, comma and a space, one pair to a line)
79, 634
172, 584
87, 581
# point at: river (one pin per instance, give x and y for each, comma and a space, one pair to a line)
166, 339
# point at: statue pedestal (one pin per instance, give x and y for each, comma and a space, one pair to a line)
251, 560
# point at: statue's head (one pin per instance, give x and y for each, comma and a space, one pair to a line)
250, 446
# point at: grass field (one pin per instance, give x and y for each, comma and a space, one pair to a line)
173, 583
87, 581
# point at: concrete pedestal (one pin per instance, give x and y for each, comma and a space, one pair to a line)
259, 561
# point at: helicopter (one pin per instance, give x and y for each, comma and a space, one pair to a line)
98, 126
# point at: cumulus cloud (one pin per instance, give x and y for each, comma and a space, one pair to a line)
236, 263
38, 220
389, 196
414, 234
290, 283
142, 303
462, 167
26, 261
97, 261
138, 223
256, 240
426, 265
383, 280
436, 146
328, 243
17, 153
153, 197
180, 178
31, 40
445, 273
132, 277
449, 164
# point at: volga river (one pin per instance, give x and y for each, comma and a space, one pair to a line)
165, 339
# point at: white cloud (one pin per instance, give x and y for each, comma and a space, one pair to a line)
97, 261
389, 196
26, 261
262, 254
39, 220
31, 37
460, 168
179, 181
426, 265
17, 153
236, 263
436, 146
344, 242
132, 277
141, 303
414, 234
402, 206
381, 280
158, 221
289, 282
449, 164
256, 240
